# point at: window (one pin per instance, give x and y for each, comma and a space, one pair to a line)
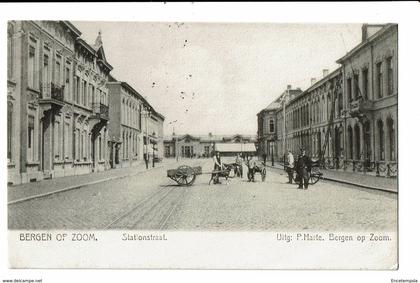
357, 136
350, 142
46, 71
365, 78
391, 133
379, 79
271, 125
66, 140
85, 93
31, 138
356, 86
91, 93
349, 90
67, 83
31, 67
57, 144
381, 140
77, 90
57, 71
9, 130
77, 145
390, 79
84, 140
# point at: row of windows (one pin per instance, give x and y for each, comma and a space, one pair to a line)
384, 82
130, 145
130, 113
56, 69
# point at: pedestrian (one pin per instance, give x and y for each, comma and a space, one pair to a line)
146, 159
303, 167
218, 165
251, 169
290, 164
239, 161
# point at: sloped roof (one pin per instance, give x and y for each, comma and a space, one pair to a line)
277, 103
235, 147
212, 138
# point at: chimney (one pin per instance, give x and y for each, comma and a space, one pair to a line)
313, 81
325, 73
364, 32
289, 87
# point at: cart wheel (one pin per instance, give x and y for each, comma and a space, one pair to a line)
263, 174
185, 175
189, 179
313, 179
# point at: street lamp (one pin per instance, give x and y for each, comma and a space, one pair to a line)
284, 121
176, 138
146, 113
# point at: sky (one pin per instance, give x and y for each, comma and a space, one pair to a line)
215, 77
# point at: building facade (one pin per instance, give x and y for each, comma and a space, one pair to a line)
56, 86
370, 83
126, 135
153, 139
270, 126
201, 146
349, 117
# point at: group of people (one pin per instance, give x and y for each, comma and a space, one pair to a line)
302, 167
251, 163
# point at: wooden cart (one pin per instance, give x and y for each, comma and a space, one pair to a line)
184, 175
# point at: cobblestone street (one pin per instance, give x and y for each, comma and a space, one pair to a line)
155, 202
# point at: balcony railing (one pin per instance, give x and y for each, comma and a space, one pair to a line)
360, 107
101, 110
53, 92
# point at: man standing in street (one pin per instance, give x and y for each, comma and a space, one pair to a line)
303, 167
218, 166
239, 162
290, 164
251, 169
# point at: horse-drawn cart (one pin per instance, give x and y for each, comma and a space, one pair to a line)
185, 175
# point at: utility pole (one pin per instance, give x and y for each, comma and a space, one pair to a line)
176, 138
284, 121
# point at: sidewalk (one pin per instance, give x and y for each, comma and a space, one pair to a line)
51, 186
357, 179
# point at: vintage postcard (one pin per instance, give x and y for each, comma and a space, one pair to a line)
202, 145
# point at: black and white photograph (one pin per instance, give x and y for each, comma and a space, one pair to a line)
180, 138
153, 134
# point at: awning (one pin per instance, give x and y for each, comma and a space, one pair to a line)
235, 147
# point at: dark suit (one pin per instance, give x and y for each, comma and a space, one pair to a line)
303, 167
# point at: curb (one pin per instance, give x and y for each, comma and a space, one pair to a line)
77, 187
349, 183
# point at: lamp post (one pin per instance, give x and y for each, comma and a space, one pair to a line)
284, 122
176, 138
146, 113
